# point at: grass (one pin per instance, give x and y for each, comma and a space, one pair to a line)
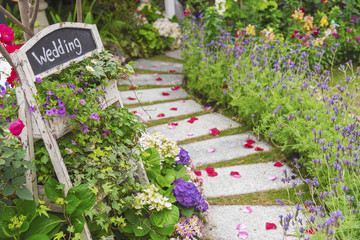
265, 198
260, 157
165, 58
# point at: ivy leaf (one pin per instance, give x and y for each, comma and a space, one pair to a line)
54, 190
24, 193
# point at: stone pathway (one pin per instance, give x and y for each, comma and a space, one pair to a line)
255, 177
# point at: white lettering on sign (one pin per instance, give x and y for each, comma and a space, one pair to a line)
58, 50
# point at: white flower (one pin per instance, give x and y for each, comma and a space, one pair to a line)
90, 69
220, 6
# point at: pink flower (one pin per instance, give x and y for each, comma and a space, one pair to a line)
349, 29
357, 38
16, 127
6, 34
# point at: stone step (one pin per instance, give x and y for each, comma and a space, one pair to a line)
174, 54
158, 65
224, 219
201, 127
255, 178
226, 148
152, 95
183, 108
150, 79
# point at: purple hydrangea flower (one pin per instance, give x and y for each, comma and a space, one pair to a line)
188, 195
183, 156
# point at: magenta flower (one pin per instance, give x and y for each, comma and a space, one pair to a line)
357, 38
82, 102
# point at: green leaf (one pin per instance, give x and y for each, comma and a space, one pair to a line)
131, 216
165, 216
167, 229
128, 228
78, 222
162, 181
85, 195
42, 225
26, 208
188, 212
155, 236
71, 203
53, 190
141, 228
18, 181
181, 172
24, 193
9, 189
38, 237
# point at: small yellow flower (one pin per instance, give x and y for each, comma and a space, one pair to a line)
324, 21
308, 23
250, 30
298, 15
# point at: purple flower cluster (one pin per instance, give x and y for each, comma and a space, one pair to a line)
188, 195
183, 156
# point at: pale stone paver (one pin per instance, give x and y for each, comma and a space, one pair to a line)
150, 79
158, 65
224, 219
168, 109
200, 127
200, 155
255, 178
174, 54
152, 95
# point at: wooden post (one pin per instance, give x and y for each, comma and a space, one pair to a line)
170, 8
78, 11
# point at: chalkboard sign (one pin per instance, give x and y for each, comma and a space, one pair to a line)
55, 47
59, 47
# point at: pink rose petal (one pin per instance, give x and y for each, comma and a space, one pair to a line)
190, 134
237, 176
270, 226
132, 88
182, 101
197, 173
247, 210
159, 83
240, 227
161, 115
243, 235
172, 71
174, 124
250, 141
156, 74
159, 79
214, 131
141, 67
175, 88
209, 169
131, 98
211, 150
173, 109
171, 127
154, 66
207, 108
192, 120
136, 74
259, 149
212, 174
165, 94
272, 178
278, 164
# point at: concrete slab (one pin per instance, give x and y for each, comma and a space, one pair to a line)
174, 54
255, 178
158, 65
198, 128
224, 219
150, 79
151, 95
168, 109
226, 148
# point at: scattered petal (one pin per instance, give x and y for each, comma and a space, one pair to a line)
235, 175
182, 101
197, 173
171, 127
270, 226
174, 124
173, 109
159, 79
131, 98
175, 88
240, 227
259, 149
141, 67
214, 131
211, 150
156, 74
278, 164
165, 94
136, 74
161, 115
311, 231
210, 169
192, 120
272, 178
137, 113
190, 134
212, 174
132, 88
247, 145
243, 235
247, 210
225, 86
159, 83
172, 71
207, 108
154, 66
250, 141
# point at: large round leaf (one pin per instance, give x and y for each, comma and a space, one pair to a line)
142, 227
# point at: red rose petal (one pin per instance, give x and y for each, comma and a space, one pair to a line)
197, 173
131, 98
249, 141
259, 149
212, 174
210, 170
173, 109
165, 94
192, 120
247, 145
174, 124
172, 71
278, 164
132, 88
161, 115
158, 79
175, 88
311, 231
214, 131
233, 173
270, 226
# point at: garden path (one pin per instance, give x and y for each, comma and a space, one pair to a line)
210, 138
